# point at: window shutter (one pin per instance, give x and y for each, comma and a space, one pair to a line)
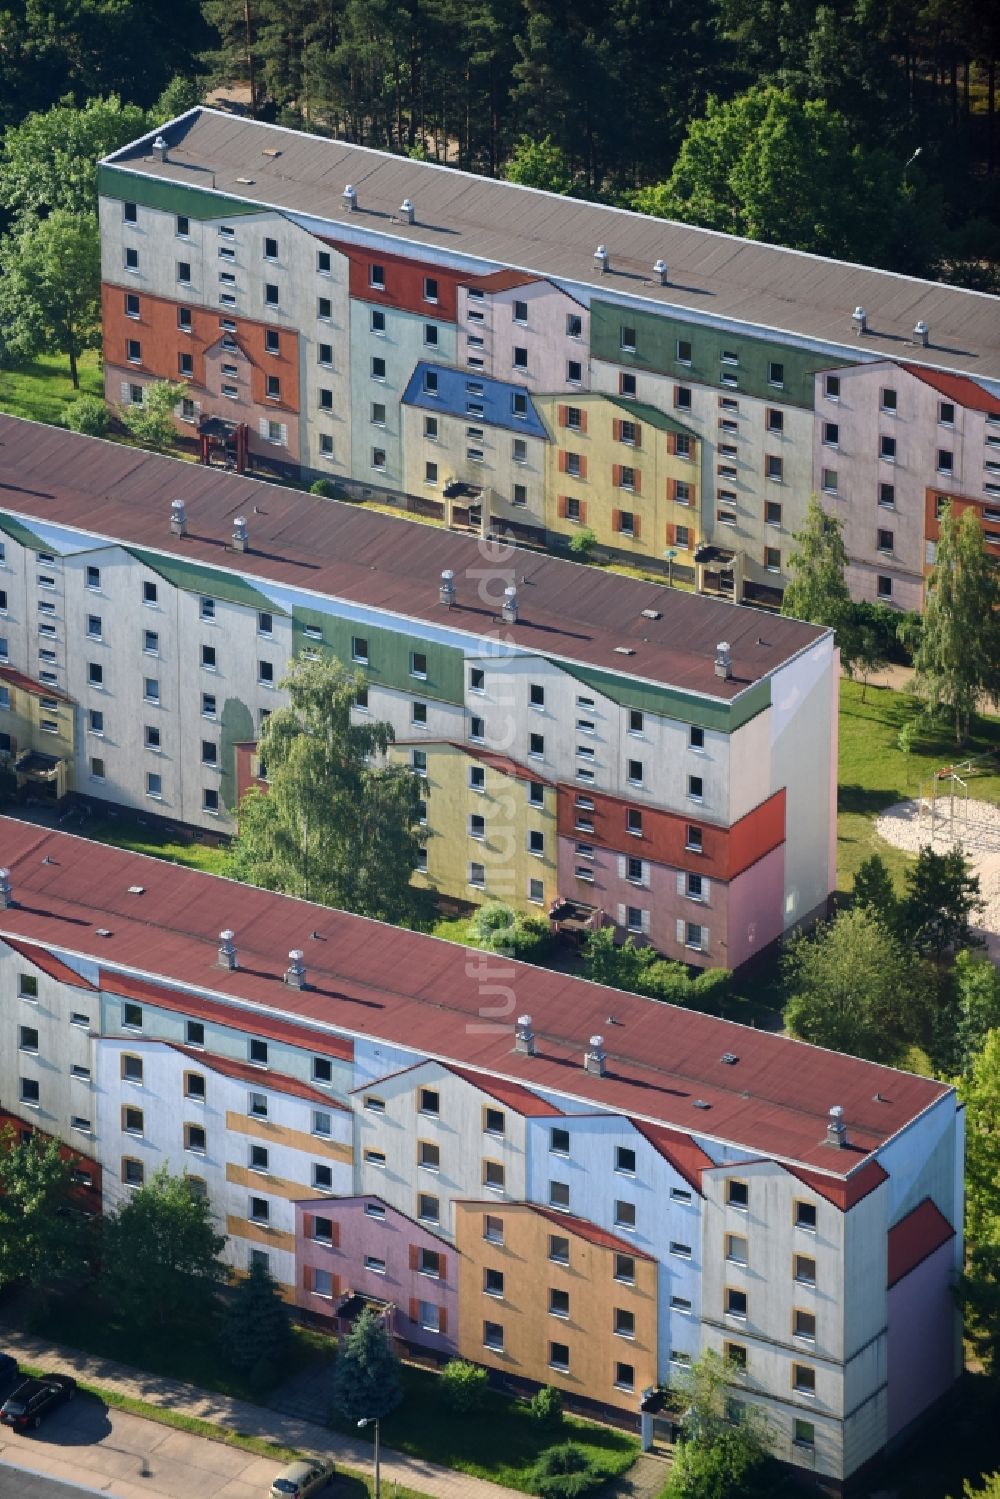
680, 883
334, 1234
443, 1270
637, 489
563, 416
284, 435
616, 430
672, 441
337, 1285
414, 1257
562, 460
706, 888
414, 1309
583, 466
307, 1277
638, 435
583, 512
671, 535
622, 916
636, 526
694, 495
443, 1320
616, 520
583, 419
645, 923
671, 489
705, 939
680, 931
262, 428
646, 875
125, 390
309, 1224
616, 476
561, 507
622, 866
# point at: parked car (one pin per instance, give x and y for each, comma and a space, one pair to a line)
302, 1479
9, 1373
33, 1399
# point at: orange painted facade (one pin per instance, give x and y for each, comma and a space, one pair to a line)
987, 512
403, 282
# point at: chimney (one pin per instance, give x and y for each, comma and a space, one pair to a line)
227, 950
407, 212
859, 318
836, 1129
509, 607
446, 589
723, 660
6, 891
595, 1059
660, 271
241, 535
295, 973
524, 1036
177, 518
349, 198
922, 333
160, 148
601, 258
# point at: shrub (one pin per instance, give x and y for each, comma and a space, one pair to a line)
322, 487
89, 415
564, 1472
464, 1385
546, 1406
582, 543
531, 939
493, 923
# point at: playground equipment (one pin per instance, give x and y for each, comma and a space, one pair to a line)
949, 784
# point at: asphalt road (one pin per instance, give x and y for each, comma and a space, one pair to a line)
15, 1483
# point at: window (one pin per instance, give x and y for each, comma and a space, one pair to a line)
322, 1177
418, 762
559, 1141
151, 689
194, 1085
493, 1175
430, 382
519, 403
184, 273
805, 1215
945, 462
804, 1269
428, 1208
520, 312
887, 496
737, 1193
804, 1325
132, 1119
625, 1160
271, 294
831, 434
884, 540
803, 1433
95, 721
536, 746
131, 1068
27, 1038
494, 1122
736, 1303
635, 772
430, 1102
194, 1033
572, 508
493, 1336
492, 1229
195, 1138
322, 1123
536, 794
737, 1249
946, 414
680, 1194
131, 259
558, 1194
259, 1210
625, 1214
558, 1303
133, 1171
776, 374
430, 335
373, 1263
887, 449
418, 664
772, 559
626, 338
378, 458
624, 1323
574, 372
559, 1357
695, 788
265, 673
883, 586
257, 1106
774, 468
492, 1282
272, 343
428, 1155
803, 1379
324, 309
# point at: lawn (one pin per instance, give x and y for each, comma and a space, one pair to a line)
128, 832
40, 389
875, 772
500, 1443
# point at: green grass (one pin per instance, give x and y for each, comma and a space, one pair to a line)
126, 832
875, 772
40, 389
500, 1443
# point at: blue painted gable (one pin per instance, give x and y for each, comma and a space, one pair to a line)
475, 398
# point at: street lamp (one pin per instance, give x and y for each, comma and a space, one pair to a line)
917, 152
373, 1421
670, 554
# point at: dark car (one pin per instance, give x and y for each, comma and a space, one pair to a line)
32, 1401
9, 1373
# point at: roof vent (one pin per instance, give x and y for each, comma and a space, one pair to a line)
700, 1103
601, 258
160, 148
227, 950
524, 1036
660, 271
921, 333
241, 534
6, 891
509, 607
859, 318
407, 212
136, 889
723, 660
177, 518
295, 973
446, 589
651, 614
836, 1129
349, 197
595, 1059
730, 1058
624, 650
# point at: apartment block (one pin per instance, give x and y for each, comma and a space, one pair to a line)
567, 1184
595, 749
300, 286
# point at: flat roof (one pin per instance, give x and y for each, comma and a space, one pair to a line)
712, 276
581, 614
665, 1065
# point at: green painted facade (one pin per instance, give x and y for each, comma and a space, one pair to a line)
18, 532
668, 702
193, 577
170, 197
237, 727
388, 654
641, 411
656, 336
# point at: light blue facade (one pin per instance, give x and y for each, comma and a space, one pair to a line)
401, 345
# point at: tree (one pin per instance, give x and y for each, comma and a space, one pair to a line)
979, 1090
151, 421
160, 1253
540, 164
720, 1458
818, 590
853, 989
866, 649
256, 1327
337, 824
957, 659
990, 1487
874, 889
977, 985
366, 1375
941, 896
40, 1239
50, 159
50, 288
89, 415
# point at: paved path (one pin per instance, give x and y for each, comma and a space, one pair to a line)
237, 1415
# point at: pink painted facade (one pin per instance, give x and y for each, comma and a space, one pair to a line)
362, 1246
921, 1340
489, 330
755, 908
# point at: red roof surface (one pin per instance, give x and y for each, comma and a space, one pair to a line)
263, 1077
583, 1229
684, 1154
521, 1100
844, 1194
958, 388
410, 990
28, 684
915, 1237
503, 280
48, 964
349, 553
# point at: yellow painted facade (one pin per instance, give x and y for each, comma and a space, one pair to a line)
578, 1304
259, 1233
279, 1134
34, 720
502, 845
270, 1186
625, 470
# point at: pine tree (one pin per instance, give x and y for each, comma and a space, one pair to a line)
366, 1375
256, 1326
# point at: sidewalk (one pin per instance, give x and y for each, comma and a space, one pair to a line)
250, 1420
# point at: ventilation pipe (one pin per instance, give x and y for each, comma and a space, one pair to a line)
922, 333
836, 1129
241, 534
509, 607
407, 212
227, 950
295, 973
602, 259
349, 198
446, 588
6, 891
160, 148
660, 271
723, 661
524, 1036
595, 1059
178, 519
859, 318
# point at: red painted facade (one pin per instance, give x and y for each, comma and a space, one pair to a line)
987, 513
85, 1192
403, 282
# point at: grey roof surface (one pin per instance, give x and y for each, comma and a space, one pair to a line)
712, 275
583, 615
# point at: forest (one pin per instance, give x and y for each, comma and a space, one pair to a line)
856, 129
